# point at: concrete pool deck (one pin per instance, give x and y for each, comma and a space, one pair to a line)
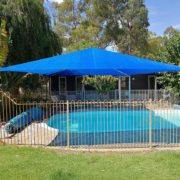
34, 134
114, 151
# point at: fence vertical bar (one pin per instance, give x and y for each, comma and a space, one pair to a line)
67, 122
150, 126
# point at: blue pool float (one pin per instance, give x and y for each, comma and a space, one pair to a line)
36, 113
20, 121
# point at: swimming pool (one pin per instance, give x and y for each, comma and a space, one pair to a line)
115, 126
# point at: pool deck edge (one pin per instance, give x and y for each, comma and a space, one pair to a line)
120, 150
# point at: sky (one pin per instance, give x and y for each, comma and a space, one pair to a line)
162, 14
59, 1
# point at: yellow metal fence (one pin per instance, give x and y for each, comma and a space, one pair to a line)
90, 124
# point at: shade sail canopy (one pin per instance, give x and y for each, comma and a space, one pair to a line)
92, 61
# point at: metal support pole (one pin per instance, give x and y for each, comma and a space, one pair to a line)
59, 87
83, 91
129, 88
67, 123
155, 81
119, 88
50, 86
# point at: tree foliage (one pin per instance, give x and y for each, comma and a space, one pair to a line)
30, 35
77, 25
125, 23
88, 23
167, 49
171, 54
3, 42
155, 46
102, 84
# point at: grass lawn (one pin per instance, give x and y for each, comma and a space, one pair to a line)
36, 163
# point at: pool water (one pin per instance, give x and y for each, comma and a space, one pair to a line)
115, 121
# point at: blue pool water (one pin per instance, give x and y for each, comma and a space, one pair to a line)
115, 121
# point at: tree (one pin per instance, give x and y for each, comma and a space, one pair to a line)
125, 24
155, 46
30, 35
77, 25
88, 23
171, 54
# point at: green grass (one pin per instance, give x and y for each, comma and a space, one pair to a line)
35, 163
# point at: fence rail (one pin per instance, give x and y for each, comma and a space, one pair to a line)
124, 95
90, 124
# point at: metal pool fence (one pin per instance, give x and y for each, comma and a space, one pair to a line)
90, 124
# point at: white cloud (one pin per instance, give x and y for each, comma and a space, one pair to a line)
177, 26
58, 1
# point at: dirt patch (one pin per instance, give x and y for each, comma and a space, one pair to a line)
2, 143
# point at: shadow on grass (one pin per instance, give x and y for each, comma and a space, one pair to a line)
59, 174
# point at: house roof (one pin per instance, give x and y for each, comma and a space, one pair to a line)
92, 61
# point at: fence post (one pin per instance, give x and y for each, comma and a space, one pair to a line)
150, 125
2, 104
67, 121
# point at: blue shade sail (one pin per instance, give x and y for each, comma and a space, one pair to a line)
92, 61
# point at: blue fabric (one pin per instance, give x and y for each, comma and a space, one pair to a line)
36, 113
18, 122
92, 61
22, 120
